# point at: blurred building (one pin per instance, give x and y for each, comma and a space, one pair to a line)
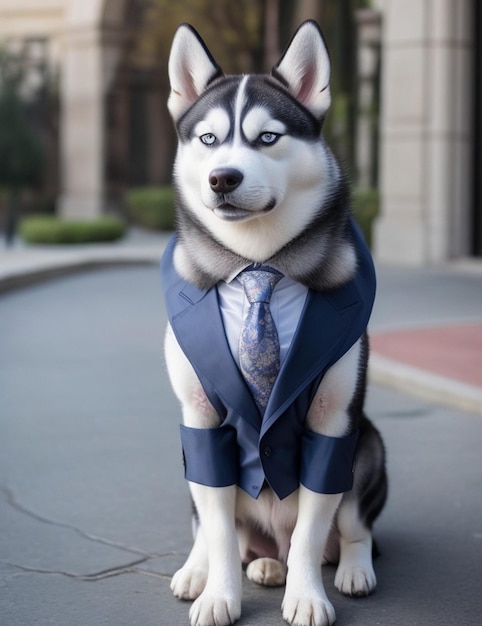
113, 118
111, 111
431, 131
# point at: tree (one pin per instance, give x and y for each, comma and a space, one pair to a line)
21, 161
233, 31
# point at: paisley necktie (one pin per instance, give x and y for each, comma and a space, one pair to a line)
259, 350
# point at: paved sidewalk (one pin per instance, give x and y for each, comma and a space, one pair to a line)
426, 333
94, 511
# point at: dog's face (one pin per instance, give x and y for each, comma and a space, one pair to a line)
250, 161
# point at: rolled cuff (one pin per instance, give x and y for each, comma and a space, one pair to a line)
327, 462
211, 455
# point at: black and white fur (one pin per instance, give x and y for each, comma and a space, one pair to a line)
256, 183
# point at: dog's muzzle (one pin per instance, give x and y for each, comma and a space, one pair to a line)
223, 181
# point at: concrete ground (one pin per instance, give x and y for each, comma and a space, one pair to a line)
426, 333
94, 511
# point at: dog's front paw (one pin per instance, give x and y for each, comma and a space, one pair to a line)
188, 583
355, 580
308, 609
211, 610
267, 572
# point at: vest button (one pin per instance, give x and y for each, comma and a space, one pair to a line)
267, 451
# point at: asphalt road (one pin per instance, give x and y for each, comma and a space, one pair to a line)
94, 512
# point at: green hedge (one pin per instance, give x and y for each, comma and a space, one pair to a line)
151, 207
52, 230
366, 204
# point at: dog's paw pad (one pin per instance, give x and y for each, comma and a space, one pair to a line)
188, 584
267, 572
355, 581
308, 611
209, 610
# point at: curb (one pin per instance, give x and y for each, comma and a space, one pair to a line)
424, 384
18, 271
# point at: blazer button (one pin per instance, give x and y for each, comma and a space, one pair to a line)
267, 451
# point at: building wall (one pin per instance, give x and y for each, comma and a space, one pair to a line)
426, 142
24, 19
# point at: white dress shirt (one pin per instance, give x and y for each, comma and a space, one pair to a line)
286, 305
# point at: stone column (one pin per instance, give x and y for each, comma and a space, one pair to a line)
427, 52
93, 39
82, 125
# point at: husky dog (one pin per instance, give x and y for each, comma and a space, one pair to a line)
299, 484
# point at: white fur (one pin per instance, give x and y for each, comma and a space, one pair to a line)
327, 414
238, 109
258, 120
355, 574
305, 602
217, 122
220, 601
197, 411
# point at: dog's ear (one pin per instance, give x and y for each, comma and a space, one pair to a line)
191, 69
304, 69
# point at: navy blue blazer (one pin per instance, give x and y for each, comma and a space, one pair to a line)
248, 449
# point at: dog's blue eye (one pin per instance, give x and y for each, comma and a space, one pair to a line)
269, 138
208, 139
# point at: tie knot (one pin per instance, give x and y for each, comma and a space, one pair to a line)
259, 284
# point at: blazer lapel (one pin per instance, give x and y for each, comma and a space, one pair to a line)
200, 332
308, 352
331, 323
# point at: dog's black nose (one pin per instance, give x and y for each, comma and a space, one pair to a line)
225, 179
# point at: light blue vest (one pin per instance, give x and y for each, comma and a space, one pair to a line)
248, 449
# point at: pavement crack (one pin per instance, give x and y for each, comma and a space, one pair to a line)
146, 572
127, 568
12, 501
